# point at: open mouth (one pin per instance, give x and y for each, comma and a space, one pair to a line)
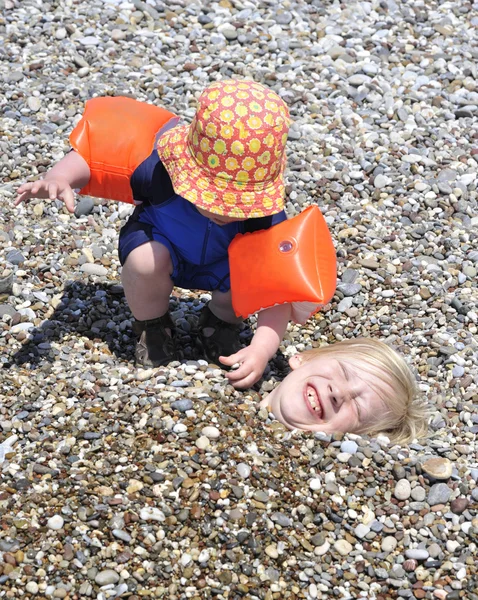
312, 400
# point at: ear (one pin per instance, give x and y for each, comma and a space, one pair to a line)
295, 361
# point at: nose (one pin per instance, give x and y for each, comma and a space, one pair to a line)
336, 398
338, 395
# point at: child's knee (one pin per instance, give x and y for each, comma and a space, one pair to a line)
148, 260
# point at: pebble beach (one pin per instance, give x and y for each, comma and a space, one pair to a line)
119, 482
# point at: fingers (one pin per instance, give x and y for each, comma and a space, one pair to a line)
24, 192
69, 199
231, 360
245, 382
245, 376
46, 189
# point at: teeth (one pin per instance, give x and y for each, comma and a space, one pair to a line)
312, 397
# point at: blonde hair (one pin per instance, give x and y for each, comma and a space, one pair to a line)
406, 417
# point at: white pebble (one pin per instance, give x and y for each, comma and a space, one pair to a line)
56, 522
151, 513
202, 442
185, 559
32, 587
243, 470
211, 432
315, 484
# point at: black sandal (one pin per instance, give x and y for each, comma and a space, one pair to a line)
222, 339
156, 345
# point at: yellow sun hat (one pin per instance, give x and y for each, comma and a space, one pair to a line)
231, 159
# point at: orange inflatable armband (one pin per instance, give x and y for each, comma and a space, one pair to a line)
293, 262
114, 136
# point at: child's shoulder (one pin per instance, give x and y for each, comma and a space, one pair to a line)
150, 181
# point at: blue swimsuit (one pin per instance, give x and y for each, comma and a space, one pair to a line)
198, 247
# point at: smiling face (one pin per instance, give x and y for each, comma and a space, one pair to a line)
329, 394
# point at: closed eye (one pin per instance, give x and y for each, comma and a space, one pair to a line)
347, 376
359, 411
345, 371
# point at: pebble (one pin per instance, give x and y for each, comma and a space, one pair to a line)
438, 468
243, 470
439, 494
107, 577
84, 206
94, 269
417, 554
211, 432
402, 489
56, 522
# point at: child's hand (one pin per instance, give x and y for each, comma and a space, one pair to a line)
47, 188
253, 361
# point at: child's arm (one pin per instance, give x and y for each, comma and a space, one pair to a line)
271, 325
71, 172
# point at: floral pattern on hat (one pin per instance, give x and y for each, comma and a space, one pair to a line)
230, 160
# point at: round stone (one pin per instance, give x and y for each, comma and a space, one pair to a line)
203, 442
32, 587
389, 543
343, 547
439, 494
438, 468
349, 447
107, 577
243, 470
56, 522
402, 489
211, 432
417, 553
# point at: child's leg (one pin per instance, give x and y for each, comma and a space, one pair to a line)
219, 327
147, 282
221, 307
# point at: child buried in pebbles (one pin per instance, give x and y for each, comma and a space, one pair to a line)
359, 385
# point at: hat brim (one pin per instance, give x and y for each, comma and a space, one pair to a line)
234, 199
